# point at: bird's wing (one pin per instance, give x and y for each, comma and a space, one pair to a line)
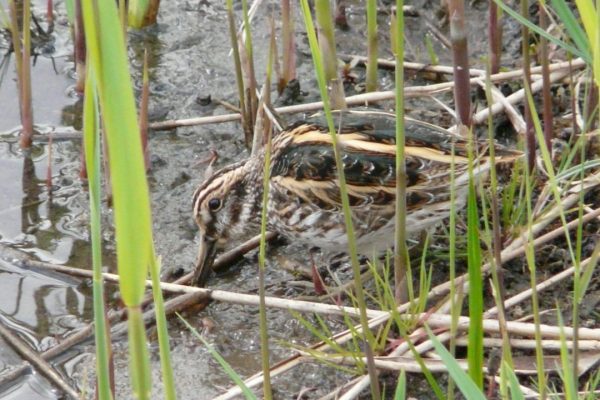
304, 164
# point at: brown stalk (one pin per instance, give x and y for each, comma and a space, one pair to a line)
495, 37
529, 133
496, 262
251, 102
288, 45
79, 48
49, 167
80, 56
247, 59
22, 51
50, 15
460, 56
238, 73
151, 13
26, 107
590, 109
546, 95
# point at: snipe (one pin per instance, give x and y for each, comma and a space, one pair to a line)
304, 199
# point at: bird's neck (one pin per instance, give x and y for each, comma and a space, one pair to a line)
249, 196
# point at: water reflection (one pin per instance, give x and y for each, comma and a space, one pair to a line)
30, 216
38, 305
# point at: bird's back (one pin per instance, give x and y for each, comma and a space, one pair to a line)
305, 196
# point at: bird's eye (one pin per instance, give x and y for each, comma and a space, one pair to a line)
214, 204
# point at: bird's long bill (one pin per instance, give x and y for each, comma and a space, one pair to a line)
204, 262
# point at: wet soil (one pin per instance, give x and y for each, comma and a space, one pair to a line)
48, 218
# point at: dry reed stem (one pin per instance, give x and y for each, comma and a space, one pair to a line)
214, 294
357, 388
87, 331
427, 345
507, 254
334, 395
411, 91
517, 97
40, 364
407, 364
434, 365
460, 58
412, 66
380, 317
512, 113
296, 359
517, 328
562, 395
512, 301
173, 305
530, 344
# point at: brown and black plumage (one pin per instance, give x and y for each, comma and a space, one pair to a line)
304, 198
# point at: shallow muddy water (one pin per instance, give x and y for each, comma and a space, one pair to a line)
46, 217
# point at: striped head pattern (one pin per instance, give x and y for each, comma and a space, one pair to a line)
223, 209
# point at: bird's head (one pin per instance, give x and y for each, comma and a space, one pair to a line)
222, 210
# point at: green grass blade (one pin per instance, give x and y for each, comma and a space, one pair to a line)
371, 80
515, 389
585, 56
108, 59
360, 296
136, 12
91, 137
475, 348
163, 333
570, 386
264, 335
328, 56
588, 14
571, 25
224, 364
464, 382
139, 364
400, 393
133, 228
401, 257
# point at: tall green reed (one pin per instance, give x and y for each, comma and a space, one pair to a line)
247, 119
328, 55
475, 348
132, 217
526, 57
91, 137
323, 87
545, 62
465, 382
21, 40
401, 258
264, 336
371, 81
494, 240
